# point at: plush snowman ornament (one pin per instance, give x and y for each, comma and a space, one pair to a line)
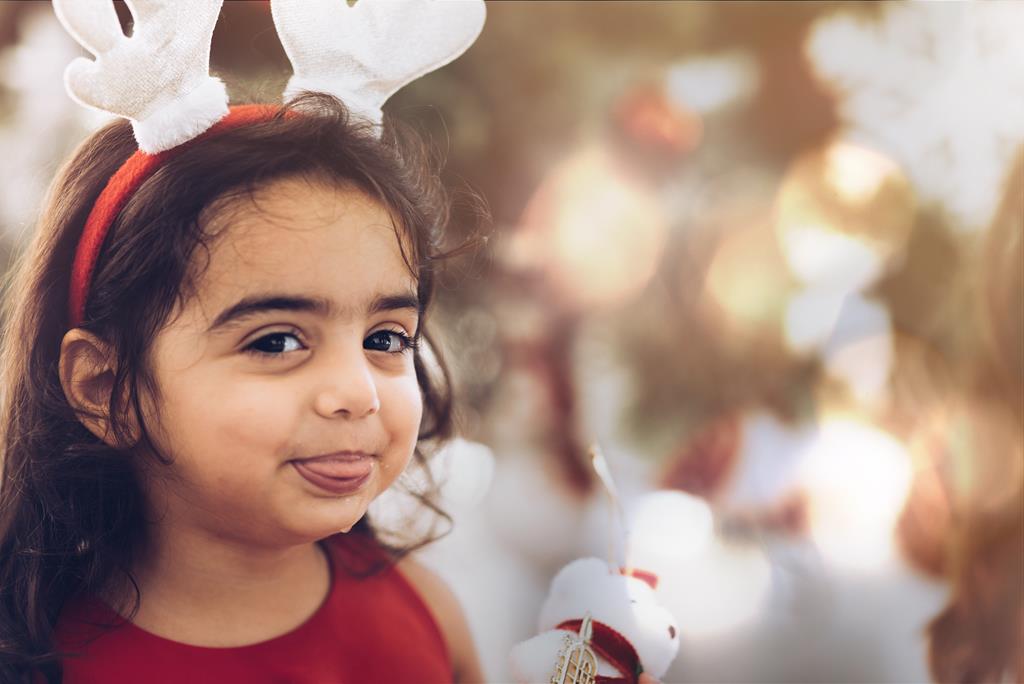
597, 625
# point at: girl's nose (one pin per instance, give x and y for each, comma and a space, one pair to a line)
350, 389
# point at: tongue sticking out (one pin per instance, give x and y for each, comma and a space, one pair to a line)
339, 468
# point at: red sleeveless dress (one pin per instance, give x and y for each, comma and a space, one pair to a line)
371, 629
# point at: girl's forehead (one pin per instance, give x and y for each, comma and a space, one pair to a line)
294, 236
293, 203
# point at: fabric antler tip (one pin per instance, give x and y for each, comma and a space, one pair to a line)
184, 118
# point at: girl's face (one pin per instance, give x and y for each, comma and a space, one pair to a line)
293, 348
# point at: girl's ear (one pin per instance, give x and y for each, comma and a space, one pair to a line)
87, 369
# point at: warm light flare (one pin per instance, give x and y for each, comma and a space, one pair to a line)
747, 281
597, 233
724, 589
668, 525
843, 213
858, 173
710, 586
857, 479
817, 254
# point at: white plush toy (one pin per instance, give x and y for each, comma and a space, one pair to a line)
629, 632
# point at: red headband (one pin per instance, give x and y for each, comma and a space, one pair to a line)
123, 184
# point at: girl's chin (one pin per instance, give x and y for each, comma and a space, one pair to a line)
328, 525
310, 534
313, 516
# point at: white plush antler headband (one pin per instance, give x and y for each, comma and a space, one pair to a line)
364, 53
159, 78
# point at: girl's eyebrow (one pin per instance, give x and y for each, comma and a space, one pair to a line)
255, 304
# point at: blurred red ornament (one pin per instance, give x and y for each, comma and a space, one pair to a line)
647, 119
646, 576
704, 464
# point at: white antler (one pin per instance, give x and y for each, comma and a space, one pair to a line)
158, 78
364, 53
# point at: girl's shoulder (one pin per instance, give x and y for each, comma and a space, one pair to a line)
448, 613
363, 555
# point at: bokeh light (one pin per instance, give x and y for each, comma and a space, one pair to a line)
591, 229
857, 479
843, 213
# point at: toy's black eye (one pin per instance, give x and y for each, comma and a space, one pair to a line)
671, 632
633, 601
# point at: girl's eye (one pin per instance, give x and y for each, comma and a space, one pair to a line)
277, 344
274, 344
391, 341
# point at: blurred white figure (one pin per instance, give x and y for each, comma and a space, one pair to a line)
937, 86
843, 217
826, 596
709, 83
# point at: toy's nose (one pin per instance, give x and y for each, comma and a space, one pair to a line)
671, 632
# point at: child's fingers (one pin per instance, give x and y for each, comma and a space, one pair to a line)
647, 679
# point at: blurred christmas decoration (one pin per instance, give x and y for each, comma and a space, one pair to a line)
539, 363
843, 217
31, 71
746, 286
709, 83
592, 231
939, 87
857, 479
647, 121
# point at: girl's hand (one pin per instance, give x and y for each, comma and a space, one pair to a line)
647, 679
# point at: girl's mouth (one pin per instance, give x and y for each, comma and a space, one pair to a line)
342, 475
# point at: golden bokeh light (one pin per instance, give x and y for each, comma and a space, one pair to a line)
746, 282
843, 212
595, 232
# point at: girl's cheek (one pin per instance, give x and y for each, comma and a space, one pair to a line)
257, 416
410, 401
248, 421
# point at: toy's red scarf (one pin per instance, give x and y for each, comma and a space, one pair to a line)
614, 648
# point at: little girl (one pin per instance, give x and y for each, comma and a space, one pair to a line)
214, 359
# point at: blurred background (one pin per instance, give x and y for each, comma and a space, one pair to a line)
768, 257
